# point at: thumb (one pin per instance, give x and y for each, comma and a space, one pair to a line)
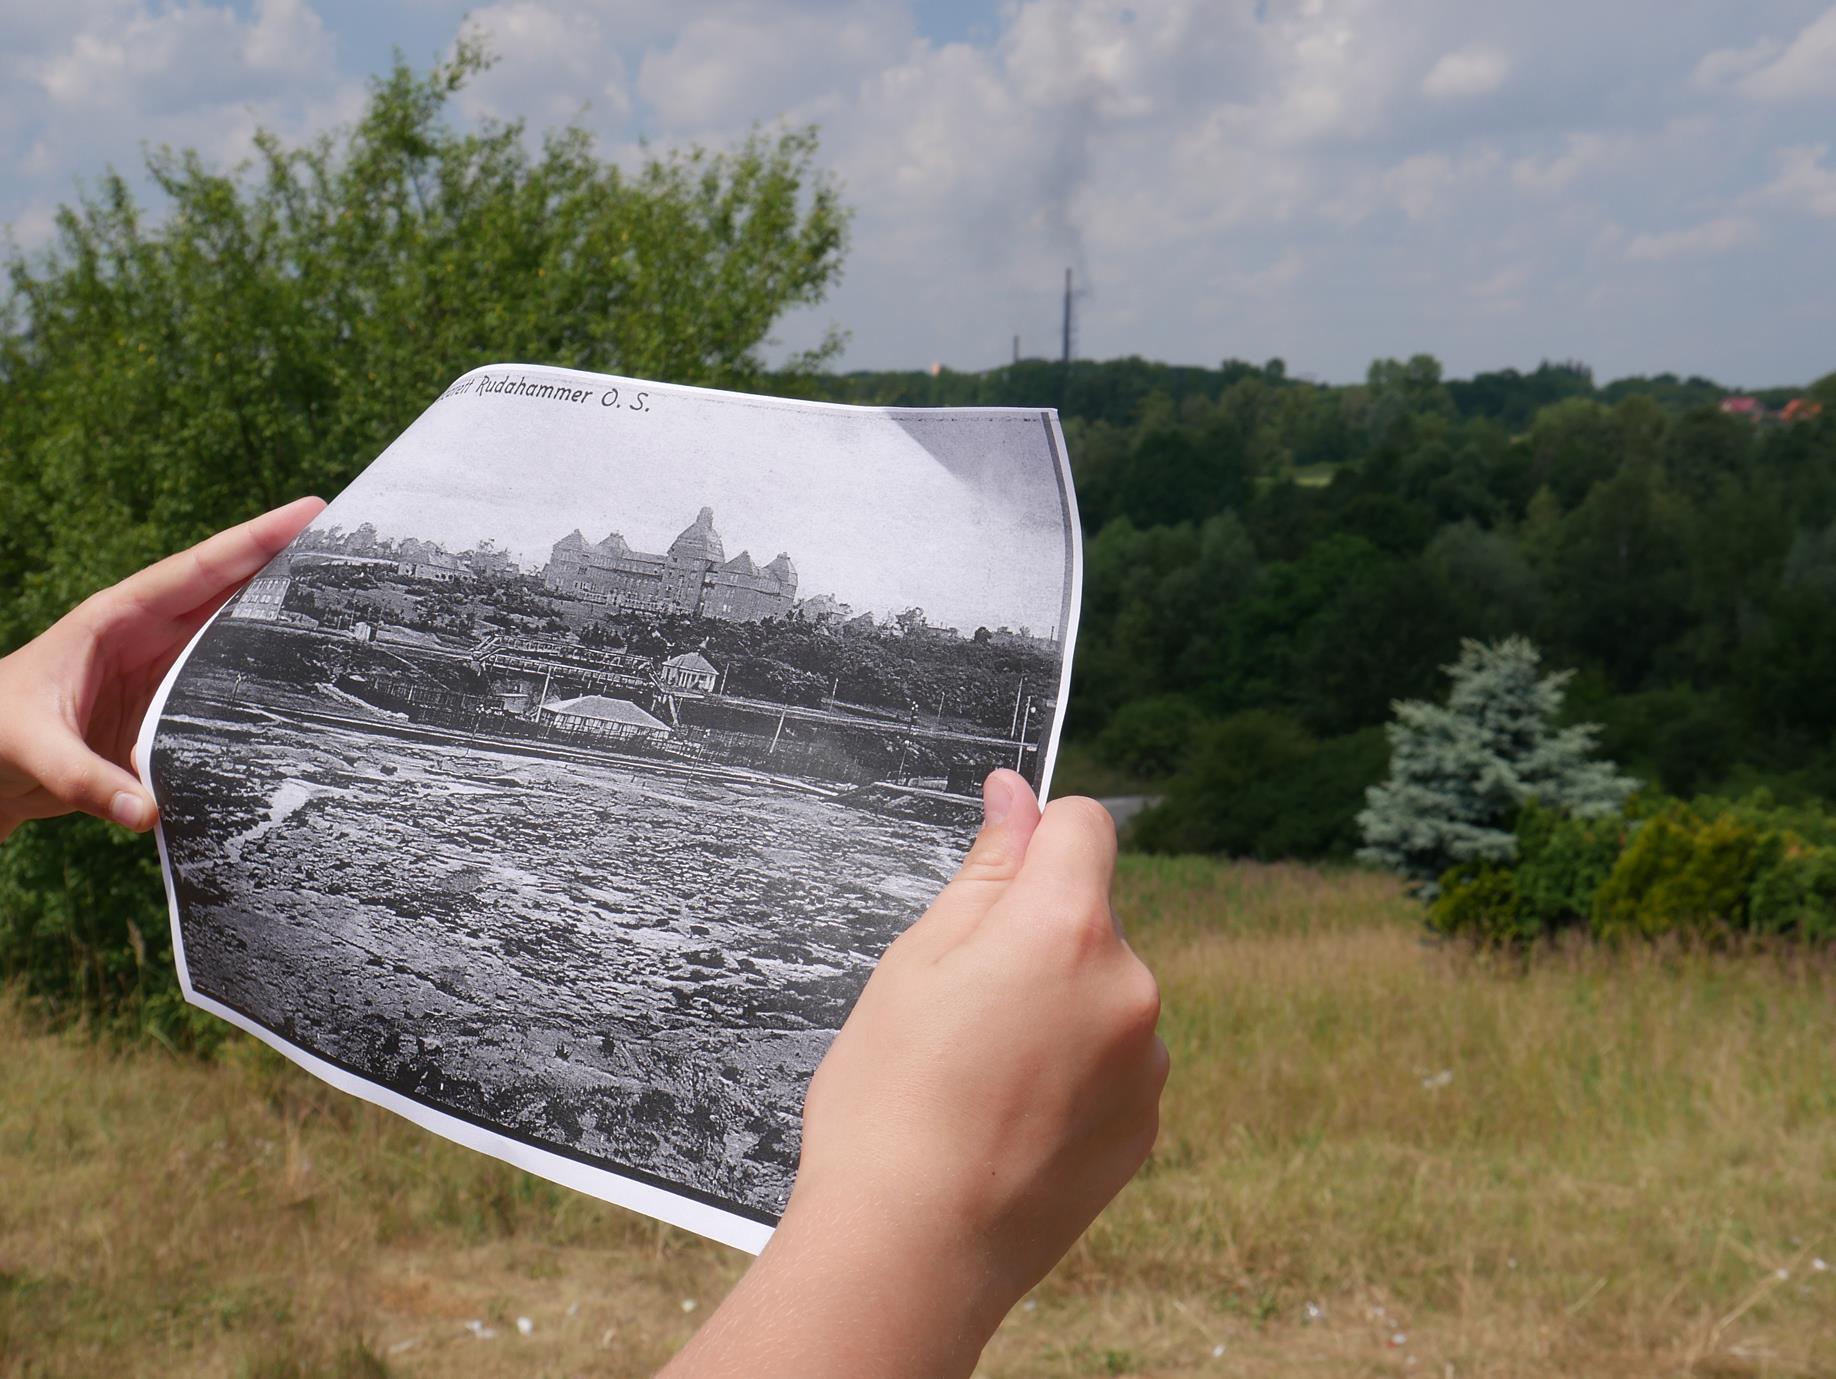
1010, 813
70, 772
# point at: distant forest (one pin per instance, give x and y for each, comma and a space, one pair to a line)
1271, 562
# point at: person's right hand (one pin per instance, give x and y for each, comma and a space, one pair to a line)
996, 1085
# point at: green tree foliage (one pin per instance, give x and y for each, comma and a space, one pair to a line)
263, 333
1259, 542
1461, 773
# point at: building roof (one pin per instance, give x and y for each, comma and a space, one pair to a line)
782, 567
699, 540
606, 710
615, 544
574, 540
691, 660
741, 564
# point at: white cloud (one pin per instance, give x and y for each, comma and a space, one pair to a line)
1804, 182
748, 63
162, 61
1416, 182
551, 65
1474, 71
1506, 286
1725, 66
32, 226
1806, 69
1553, 172
1716, 236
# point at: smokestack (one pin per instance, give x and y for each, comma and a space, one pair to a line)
1067, 344
1016, 349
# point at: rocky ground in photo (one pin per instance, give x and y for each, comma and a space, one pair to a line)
637, 967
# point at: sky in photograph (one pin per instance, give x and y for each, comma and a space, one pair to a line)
958, 513
1646, 185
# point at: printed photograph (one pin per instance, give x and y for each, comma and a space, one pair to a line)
570, 774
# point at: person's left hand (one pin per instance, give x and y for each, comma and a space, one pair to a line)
71, 699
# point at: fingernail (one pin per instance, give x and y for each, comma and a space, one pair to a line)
997, 798
128, 810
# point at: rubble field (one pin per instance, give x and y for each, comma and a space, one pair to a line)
620, 964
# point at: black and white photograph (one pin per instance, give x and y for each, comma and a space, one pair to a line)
560, 786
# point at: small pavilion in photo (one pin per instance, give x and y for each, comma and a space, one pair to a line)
618, 720
689, 671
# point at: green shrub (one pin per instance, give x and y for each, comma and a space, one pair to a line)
1565, 860
1561, 862
1665, 867
1220, 803
1796, 895
1681, 871
1481, 901
1259, 785
84, 929
1150, 738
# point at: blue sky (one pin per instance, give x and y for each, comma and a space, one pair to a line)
1648, 185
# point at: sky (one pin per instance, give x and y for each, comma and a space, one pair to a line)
1646, 185
971, 502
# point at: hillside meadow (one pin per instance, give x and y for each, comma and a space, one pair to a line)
1380, 1157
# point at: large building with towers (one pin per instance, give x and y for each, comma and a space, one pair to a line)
694, 576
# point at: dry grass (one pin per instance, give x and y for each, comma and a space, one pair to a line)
1595, 1164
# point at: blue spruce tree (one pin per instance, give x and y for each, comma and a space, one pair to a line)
1461, 772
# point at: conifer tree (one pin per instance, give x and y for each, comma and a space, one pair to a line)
1461, 772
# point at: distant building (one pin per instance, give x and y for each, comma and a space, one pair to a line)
262, 598
693, 577
1006, 636
822, 608
487, 561
428, 561
616, 719
361, 631
1801, 409
689, 671
1750, 407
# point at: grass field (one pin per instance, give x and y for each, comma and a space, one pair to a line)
1379, 1158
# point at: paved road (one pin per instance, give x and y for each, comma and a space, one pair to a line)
1122, 808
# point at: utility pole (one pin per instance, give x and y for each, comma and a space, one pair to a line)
1067, 341
1020, 738
1013, 729
1016, 349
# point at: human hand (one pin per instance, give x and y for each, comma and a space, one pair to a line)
71, 699
995, 1086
